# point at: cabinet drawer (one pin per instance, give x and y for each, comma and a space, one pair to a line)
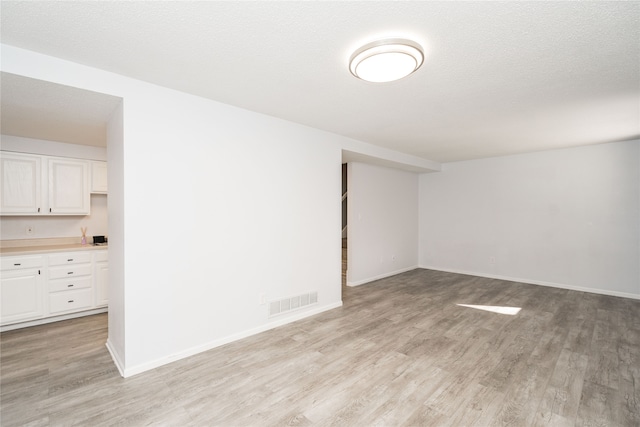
68, 284
21, 262
101, 255
69, 258
70, 271
69, 301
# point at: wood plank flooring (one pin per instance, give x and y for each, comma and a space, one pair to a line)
399, 352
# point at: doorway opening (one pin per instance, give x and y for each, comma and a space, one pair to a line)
344, 225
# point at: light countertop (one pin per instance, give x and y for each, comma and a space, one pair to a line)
44, 246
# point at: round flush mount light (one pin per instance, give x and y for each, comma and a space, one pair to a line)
386, 60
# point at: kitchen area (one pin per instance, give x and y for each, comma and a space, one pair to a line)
53, 203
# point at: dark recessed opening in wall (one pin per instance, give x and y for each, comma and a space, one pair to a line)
344, 224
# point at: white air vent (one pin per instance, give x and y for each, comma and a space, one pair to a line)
286, 305
295, 303
274, 308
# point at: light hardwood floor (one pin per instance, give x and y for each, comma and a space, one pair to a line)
399, 352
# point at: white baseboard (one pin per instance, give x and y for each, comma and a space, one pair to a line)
134, 370
52, 319
538, 282
115, 358
381, 276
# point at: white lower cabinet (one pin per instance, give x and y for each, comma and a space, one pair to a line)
101, 277
70, 272
21, 289
70, 282
36, 287
61, 302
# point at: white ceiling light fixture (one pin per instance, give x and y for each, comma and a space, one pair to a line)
386, 60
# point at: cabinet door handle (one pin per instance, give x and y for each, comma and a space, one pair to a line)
70, 301
71, 272
69, 286
38, 210
70, 259
49, 209
17, 264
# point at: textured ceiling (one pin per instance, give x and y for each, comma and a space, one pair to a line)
499, 77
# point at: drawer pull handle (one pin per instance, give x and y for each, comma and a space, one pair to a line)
69, 286
17, 264
70, 259
71, 272
70, 301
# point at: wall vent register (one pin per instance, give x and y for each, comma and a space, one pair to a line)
297, 302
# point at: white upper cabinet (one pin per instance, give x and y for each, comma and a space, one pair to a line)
69, 187
43, 185
21, 184
99, 177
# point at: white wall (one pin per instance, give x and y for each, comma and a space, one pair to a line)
237, 205
14, 227
115, 178
382, 222
211, 207
567, 218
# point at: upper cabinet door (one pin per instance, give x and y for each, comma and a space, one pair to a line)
69, 187
21, 184
99, 177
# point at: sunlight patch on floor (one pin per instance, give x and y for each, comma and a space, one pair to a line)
511, 311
